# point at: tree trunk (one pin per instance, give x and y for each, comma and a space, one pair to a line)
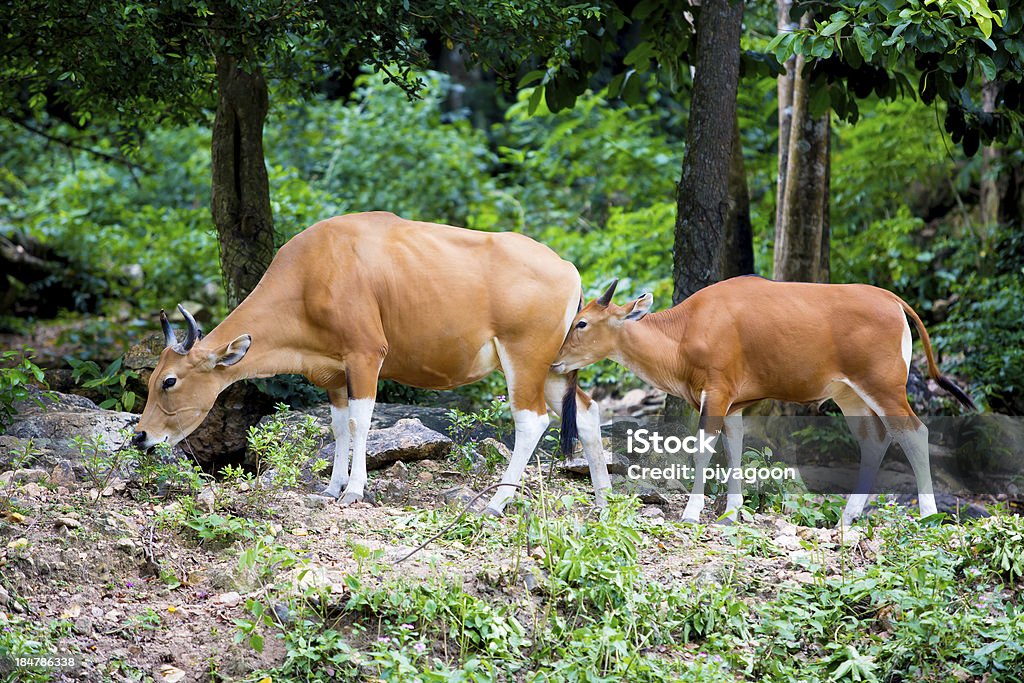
241, 193
738, 249
802, 216
993, 187
703, 205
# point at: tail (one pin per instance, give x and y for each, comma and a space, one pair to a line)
569, 431
933, 369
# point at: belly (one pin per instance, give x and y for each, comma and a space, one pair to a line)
441, 366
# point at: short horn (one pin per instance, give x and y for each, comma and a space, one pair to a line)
194, 333
169, 338
606, 298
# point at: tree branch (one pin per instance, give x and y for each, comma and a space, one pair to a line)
131, 165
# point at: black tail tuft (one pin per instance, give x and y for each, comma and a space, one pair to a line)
569, 431
956, 391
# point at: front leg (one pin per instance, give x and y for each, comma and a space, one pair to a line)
713, 408
342, 441
362, 389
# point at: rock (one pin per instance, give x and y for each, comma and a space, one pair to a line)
387, 491
126, 544
316, 501
68, 522
207, 499
651, 496
501, 449
407, 440
32, 490
652, 511
399, 471
229, 599
460, 495
83, 626
617, 464
300, 531
63, 474
53, 428
24, 476
5, 597
425, 477
788, 542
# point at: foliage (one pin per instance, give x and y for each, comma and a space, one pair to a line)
465, 427
22, 456
281, 450
102, 461
949, 48
112, 381
31, 636
17, 374
424, 144
570, 171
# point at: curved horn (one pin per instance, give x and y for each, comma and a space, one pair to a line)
169, 338
194, 333
606, 298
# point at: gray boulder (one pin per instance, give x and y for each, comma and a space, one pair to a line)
408, 439
52, 428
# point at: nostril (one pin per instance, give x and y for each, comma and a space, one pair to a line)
139, 438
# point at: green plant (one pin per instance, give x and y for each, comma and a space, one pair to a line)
22, 456
996, 546
31, 637
465, 427
281, 449
222, 529
101, 461
111, 382
17, 374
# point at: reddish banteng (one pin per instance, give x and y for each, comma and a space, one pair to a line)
747, 339
371, 296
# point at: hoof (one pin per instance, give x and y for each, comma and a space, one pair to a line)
490, 512
690, 520
350, 498
725, 521
327, 493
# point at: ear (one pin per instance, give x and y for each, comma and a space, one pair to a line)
233, 352
640, 307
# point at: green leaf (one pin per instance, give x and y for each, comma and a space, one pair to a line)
988, 67
834, 28
531, 78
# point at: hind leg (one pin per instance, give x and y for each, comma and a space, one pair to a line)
912, 435
529, 413
905, 428
733, 432
873, 439
588, 421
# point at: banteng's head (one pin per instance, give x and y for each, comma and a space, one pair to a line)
185, 383
596, 329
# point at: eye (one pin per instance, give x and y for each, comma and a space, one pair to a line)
170, 382
581, 324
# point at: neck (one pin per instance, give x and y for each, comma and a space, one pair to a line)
652, 349
275, 346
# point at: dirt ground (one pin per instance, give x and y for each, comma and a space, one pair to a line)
93, 564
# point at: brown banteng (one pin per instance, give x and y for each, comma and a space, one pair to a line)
748, 339
371, 296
